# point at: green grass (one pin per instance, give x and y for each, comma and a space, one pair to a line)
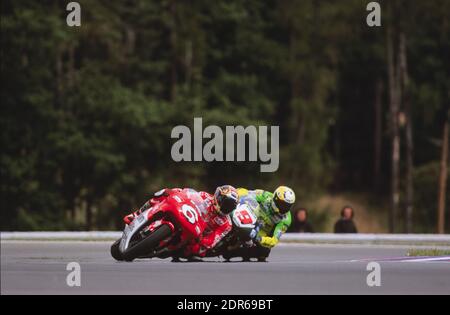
428, 252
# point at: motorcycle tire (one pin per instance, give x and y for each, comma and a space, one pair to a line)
146, 245
115, 252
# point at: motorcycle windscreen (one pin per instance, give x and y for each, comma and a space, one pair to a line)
131, 230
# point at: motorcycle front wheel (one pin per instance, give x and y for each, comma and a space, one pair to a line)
148, 244
115, 252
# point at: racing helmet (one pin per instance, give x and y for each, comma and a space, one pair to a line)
226, 198
283, 199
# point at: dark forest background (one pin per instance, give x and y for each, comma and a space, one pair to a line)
86, 112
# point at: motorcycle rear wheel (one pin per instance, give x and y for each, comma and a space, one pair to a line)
148, 244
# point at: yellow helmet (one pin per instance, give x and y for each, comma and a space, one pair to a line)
283, 199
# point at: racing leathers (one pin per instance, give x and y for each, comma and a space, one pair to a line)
217, 225
274, 224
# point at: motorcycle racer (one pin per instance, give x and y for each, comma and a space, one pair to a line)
214, 210
273, 212
220, 205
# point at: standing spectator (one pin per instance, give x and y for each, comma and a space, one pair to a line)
345, 224
301, 224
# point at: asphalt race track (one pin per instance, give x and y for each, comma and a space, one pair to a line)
36, 267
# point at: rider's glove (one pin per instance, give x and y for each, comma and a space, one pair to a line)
268, 241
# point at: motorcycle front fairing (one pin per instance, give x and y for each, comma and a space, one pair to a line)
244, 221
131, 229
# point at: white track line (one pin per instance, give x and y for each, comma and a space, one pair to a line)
424, 259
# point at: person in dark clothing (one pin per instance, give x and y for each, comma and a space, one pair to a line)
301, 223
345, 224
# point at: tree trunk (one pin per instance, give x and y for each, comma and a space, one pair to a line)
72, 209
443, 179
59, 75
130, 40
295, 86
173, 46
188, 62
394, 128
71, 66
377, 135
409, 135
88, 214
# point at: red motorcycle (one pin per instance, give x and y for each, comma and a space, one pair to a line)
162, 229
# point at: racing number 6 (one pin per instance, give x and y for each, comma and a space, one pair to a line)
190, 214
